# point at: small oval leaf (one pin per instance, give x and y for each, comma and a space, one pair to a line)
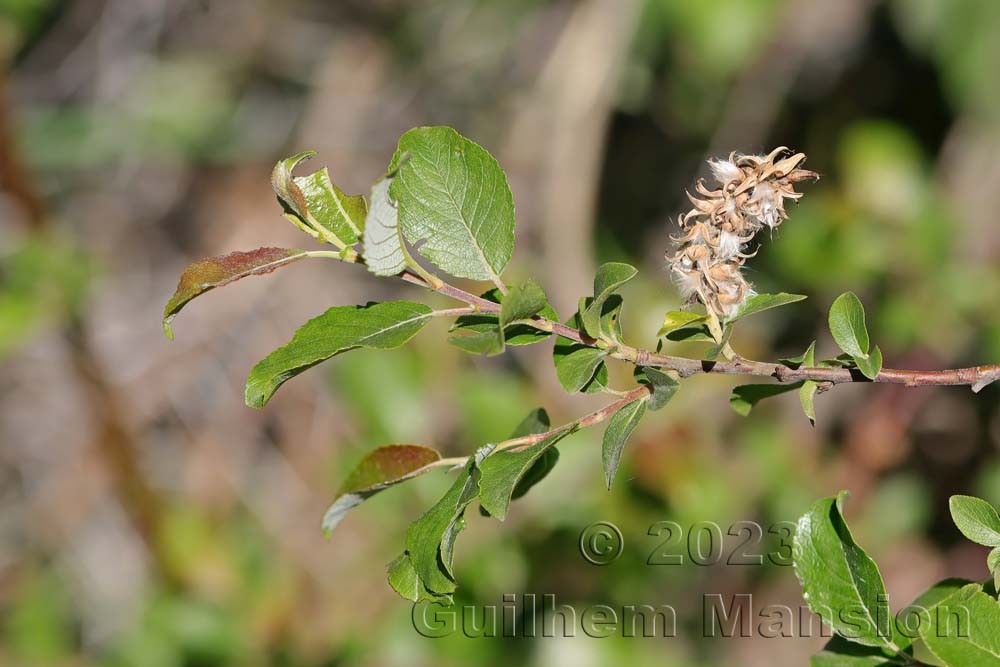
976, 519
847, 325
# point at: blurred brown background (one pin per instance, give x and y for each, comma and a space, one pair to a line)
150, 518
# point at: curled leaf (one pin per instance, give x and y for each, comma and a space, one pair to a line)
212, 272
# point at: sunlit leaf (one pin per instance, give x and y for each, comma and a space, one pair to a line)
871, 365
380, 326
676, 319
760, 302
847, 325
967, 632
454, 203
976, 519
840, 582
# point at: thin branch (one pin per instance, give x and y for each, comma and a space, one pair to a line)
976, 376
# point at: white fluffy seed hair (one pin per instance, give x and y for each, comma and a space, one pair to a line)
708, 256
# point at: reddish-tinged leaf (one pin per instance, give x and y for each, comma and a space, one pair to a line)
379, 470
206, 274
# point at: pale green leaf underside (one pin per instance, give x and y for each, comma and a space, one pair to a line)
383, 243
609, 278
454, 203
378, 325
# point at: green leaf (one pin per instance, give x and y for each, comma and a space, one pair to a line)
871, 366
536, 422
746, 396
619, 429
207, 274
384, 252
316, 205
847, 324
976, 519
839, 652
807, 358
335, 213
430, 540
807, 397
677, 319
609, 279
378, 470
502, 472
663, 383
454, 202
477, 333
924, 608
404, 580
577, 368
761, 302
520, 303
696, 333
966, 630
379, 326
993, 563
840, 582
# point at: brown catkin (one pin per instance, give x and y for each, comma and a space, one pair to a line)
708, 255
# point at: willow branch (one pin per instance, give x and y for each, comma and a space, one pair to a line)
975, 376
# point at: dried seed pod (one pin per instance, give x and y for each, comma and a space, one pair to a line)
709, 253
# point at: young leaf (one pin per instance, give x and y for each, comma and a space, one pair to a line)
316, 206
761, 302
966, 631
404, 580
807, 397
746, 396
840, 582
502, 472
477, 333
207, 274
330, 210
871, 366
383, 244
380, 326
577, 368
619, 429
454, 202
574, 361
520, 303
697, 332
378, 470
609, 279
976, 519
430, 540
807, 358
677, 319
924, 608
663, 383
839, 652
847, 324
